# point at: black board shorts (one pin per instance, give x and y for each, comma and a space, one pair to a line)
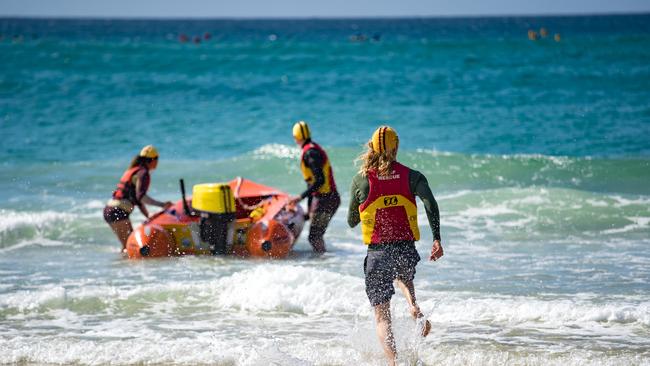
115, 214
383, 264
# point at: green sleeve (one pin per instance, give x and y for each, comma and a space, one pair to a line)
420, 187
353, 210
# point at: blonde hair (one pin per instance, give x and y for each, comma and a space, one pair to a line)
379, 162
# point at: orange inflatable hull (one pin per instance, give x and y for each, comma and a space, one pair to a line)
265, 226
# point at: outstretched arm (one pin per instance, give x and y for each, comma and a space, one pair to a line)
422, 190
420, 187
142, 197
150, 201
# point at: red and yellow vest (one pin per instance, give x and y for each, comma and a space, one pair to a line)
329, 185
126, 187
390, 213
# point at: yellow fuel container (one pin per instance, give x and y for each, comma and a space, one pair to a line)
216, 198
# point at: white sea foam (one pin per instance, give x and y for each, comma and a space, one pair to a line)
536, 199
94, 204
262, 288
512, 213
271, 354
436, 153
623, 201
516, 311
15, 219
348, 346
311, 292
276, 151
597, 203
555, 159
487, 211
63, 350
30, 300
38, 241
637, 223
453, 195
301, 315
473, 355
292, 289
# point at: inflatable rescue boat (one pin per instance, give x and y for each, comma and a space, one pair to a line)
240, 217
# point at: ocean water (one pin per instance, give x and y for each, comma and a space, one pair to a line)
538, 154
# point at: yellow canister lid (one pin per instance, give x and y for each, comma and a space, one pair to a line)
213, 198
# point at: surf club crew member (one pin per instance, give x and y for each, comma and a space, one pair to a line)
323, 198
382, 199
131, 192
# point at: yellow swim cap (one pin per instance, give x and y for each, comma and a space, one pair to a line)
301, 131
149, 152
384, 139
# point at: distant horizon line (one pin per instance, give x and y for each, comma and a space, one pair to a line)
361, 17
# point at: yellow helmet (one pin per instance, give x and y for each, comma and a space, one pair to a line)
149, 152
301, 131
384, 139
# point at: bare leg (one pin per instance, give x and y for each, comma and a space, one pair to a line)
409, 292
122, 230
385, 332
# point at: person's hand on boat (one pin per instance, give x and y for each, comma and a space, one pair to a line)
294, 200
436, 251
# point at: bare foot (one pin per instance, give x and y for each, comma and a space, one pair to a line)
424, 327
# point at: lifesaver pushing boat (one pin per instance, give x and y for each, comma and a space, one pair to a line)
240, 217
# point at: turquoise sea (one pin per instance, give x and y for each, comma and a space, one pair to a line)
538, 153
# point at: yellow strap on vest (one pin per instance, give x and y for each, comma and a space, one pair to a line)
310, 179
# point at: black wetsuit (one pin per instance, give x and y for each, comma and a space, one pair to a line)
321, 206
